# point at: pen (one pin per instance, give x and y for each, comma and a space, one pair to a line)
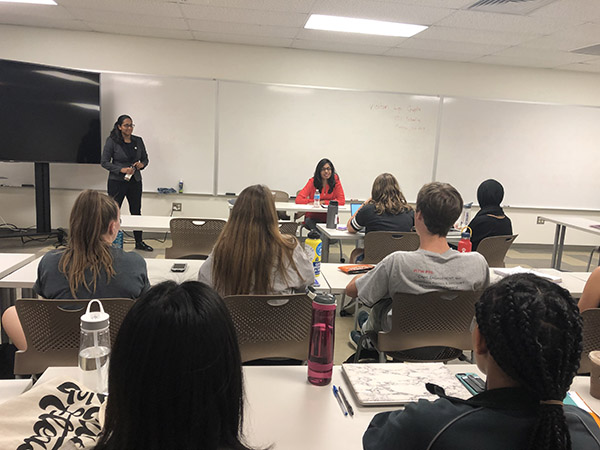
339, 400
346, 402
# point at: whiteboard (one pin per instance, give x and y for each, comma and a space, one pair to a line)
275, 135
544, 155
174, 116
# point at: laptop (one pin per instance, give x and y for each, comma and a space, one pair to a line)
354, 207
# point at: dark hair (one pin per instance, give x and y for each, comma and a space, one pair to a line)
533, 331
440, 204
175, 378
115, 133
318, 182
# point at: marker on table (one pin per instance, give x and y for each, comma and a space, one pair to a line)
339, 400
346, 402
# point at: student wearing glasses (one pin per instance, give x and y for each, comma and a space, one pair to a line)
124, 156
327, 182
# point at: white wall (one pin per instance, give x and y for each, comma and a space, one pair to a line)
104, 52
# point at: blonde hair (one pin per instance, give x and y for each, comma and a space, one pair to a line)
387, 196
90, 218
251, 245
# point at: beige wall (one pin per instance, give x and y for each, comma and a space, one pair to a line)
104, 52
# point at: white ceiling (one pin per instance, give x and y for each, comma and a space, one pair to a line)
504, 34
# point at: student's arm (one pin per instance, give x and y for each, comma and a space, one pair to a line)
338, 192
591, 292
306, 195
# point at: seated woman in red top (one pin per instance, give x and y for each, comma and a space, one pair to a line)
330, 188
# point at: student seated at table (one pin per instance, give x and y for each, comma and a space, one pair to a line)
175, 376
527, 341
433, 267
590, 298
251, 256
490, 220
327, 182
386, 210
90, 267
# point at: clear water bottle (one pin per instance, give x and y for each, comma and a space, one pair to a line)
322, 338
465, 218
313, 246
317, 201
94, 348
332, 212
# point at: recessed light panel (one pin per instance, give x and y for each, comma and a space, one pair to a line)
34, 2
363, 26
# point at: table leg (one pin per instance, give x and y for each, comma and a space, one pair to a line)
555, 246
561, 245
324, 248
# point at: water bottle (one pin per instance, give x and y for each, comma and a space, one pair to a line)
180, 190
313, 247
94, 349
118, 242
317, 201
322, 338
465, 244
332, 212
466, 215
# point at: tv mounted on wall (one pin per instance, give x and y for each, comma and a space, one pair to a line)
49, 114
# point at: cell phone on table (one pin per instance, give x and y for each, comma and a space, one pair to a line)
178, 267
472, 382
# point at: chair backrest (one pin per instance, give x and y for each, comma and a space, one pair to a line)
591, 337
288, 228
494, 249
193, 238
267, 329
379, 244
280, 196
435, 319
52, 330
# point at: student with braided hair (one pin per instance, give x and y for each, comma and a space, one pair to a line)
528, 341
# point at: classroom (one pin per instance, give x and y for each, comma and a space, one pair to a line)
233, 94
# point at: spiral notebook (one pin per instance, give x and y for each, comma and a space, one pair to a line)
399, 383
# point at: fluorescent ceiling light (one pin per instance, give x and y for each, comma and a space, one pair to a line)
364, 26
35, 2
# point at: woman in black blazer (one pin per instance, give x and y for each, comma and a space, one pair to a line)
124, 156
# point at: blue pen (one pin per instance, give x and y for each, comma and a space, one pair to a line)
336, 394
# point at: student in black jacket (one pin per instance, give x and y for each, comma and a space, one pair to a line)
527, 340
490, 220
124, 156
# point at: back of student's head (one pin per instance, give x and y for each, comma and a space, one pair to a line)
387, 196
533, 330
175, 377
441, 205
490, 193
251, 245
91, 215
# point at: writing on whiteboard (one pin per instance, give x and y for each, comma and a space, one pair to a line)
407, 117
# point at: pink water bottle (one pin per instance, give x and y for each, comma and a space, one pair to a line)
322, 337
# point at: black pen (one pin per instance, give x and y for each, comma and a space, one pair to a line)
346, 402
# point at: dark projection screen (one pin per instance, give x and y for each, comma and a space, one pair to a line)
49, 114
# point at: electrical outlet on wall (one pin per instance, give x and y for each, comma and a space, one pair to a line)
176, 207
540, 221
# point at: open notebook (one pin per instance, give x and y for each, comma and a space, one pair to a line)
399, 383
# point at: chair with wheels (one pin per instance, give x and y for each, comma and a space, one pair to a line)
426, 327
271, 326
193, 238
52, 330
494, 249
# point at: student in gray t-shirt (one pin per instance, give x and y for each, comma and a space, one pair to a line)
433, 267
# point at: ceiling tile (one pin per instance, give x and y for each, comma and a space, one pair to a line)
146, 7
451, 4
569, 39
349, 38
515, 61
242, 28
242, 39
474, 36
238, 15
339, 47
552, 56
107, 17
452, 46
430, 54
391, 12
141, 31
585, 10
44, 22
299, 6
582, 67
15, 10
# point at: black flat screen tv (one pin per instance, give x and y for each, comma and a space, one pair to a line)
49, 114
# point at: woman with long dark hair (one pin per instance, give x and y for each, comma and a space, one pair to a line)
251, 256
89, 267
527, 340
124, 156
327, 182
175, 377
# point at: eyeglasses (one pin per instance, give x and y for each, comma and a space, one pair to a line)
126, 125
326, 169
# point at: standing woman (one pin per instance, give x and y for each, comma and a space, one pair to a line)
124, 156
327, 182
490, 220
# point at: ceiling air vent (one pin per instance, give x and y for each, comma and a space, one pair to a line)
520, 7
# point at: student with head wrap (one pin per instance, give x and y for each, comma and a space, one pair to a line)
490, 220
